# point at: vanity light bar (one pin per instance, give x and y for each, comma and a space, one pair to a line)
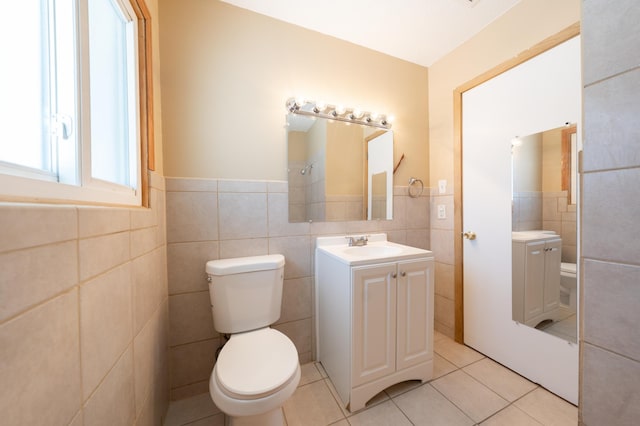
332, 112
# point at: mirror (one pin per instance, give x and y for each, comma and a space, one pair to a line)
544, 237
338, 171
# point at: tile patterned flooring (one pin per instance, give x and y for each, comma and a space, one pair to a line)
467, 389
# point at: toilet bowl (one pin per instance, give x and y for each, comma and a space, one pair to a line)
256, 372
257, 369
569, 285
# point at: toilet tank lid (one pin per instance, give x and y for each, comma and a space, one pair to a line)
239, 265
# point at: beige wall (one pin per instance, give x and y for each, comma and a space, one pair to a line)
344, 161
610, 355
552, 160
227, 73
526, 24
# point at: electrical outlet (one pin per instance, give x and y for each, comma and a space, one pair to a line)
442, 186
442, 211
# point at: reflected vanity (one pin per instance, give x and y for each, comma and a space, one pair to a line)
544, 283
338, 171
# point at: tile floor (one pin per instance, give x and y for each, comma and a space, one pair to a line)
566, 328
467, 389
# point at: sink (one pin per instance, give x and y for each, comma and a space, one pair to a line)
373, 251
376, 251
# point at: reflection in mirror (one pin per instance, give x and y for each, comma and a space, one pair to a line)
331, 168
544, 237
378, 196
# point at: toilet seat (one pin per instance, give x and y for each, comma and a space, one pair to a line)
568, 268
255, 364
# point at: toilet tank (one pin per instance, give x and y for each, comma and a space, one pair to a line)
245, 292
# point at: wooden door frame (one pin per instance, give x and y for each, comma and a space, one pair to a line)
543, 46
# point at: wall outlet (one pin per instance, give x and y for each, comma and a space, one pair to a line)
442, 186
442, 211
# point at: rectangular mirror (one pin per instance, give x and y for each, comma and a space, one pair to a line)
544, 278
338, 171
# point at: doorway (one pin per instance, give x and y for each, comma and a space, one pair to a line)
483, 205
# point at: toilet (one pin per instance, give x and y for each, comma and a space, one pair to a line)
257, 370
568, 285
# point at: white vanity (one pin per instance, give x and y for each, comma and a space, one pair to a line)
535, 276
374, 315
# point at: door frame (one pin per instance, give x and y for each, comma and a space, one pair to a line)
458, 276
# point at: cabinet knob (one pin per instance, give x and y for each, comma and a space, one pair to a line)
404, 274
394, 275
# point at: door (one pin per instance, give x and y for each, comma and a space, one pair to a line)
415, 313
541, 93
374, 323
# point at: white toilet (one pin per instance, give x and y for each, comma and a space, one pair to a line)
257, 370
568, 285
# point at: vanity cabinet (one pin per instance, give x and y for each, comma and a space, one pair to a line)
374, 324
536, 279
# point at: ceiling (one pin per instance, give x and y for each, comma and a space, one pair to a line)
418, 31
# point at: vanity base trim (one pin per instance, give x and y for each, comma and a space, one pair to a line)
361, 394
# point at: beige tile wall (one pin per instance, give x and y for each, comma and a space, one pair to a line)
560, 216
442, 243
83, 314
210, 219
609, 389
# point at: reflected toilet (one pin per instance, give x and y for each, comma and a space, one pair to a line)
568, 285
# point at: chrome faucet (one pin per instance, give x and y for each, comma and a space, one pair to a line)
358, 241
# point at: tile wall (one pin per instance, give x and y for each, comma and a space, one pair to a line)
610, 231
526, 211
560, 216
442, 245
549, 211
211, 219
83, 314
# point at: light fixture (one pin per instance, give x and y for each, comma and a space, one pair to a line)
338, 113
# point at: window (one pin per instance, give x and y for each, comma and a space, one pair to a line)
69, 103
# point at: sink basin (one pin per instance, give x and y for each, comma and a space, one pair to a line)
373, 251
378, 250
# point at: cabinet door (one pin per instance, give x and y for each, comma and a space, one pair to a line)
373, 322
415, 313
534, 280
552, 259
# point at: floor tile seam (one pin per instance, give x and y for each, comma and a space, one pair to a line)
336, 400
522, 397
483, 356
485, 386
454, 404
400, 409
201, 418
494, 391
517, 408
448, 360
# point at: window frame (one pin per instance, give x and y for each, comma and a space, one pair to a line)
21, 185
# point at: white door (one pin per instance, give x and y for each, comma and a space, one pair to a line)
540, 94
379, 154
